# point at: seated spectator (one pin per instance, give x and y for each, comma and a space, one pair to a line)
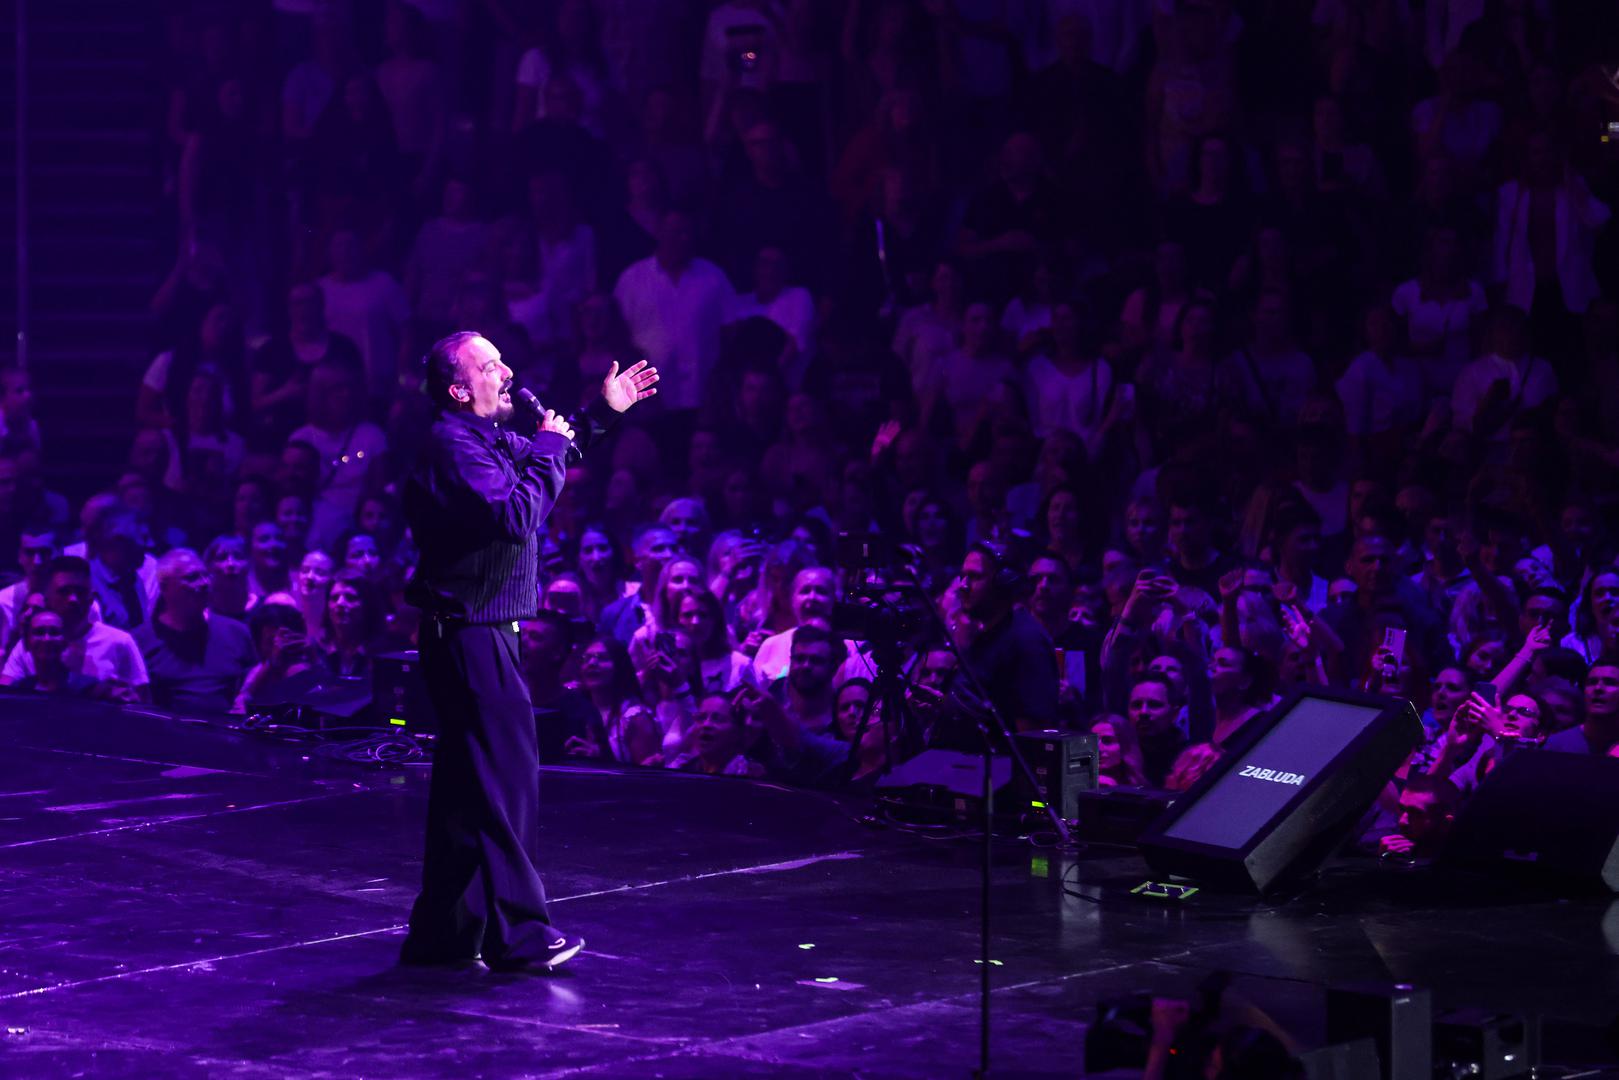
1118, 755
1439, 307
1599, 732
717, 740
1154, 706
788, 306
36, 547
447, 249
369, 307
1195, 562
787, 749
281, 367
268, 573
1242, 683
196, 658
678, 578
622, 729
1275, 374
18, 428
805, 689
45, 641
1070, 387
1428, 806
354, 620
1492, 390
122, 573
227, 564
351, 450
970, 380
310, 588
561, 711
812, 596
284, 647
1009, 653
721, 668
1382, 390
292, 514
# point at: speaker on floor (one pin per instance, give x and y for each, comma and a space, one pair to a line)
1064, 765
1398, 1018
1545, 817
1288, 792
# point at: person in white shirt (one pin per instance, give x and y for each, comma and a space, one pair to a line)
36, 547
971, 378
94, 649
1545, 231
790, 307
813, 594
1439, 306
1494, 388
1069, 389
446, 250
351, 450
1381, 390
674, 304
572, 47
369, 308
1275, 376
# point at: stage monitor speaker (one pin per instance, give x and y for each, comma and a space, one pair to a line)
1287, 793
1064, 765
400, 693
1546, 817
1398, 1018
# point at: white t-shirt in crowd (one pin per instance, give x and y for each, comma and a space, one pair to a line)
1074, 402
102, 653
534, 71
372, 313
793, 309
1530, 382
969, 384
341, 482
922, 337
1380, 393
775, 656
676, 323
1430, 321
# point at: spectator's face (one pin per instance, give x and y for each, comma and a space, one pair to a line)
1150, 710
1565, 709
362, 554
1520, 718
184, 587
1602, 693
1500, 551
596, 667
68, 595
1188, 532
344, 605
292, 514
1301, 546
34, 550
932, 526
946, 285
977, 326
1372, 566
1108, 752
811, 667
299, 470
16, 396
1169, 667
229, 561
1226, 672
1577, 526
1053, 589
937, 671
1450, 688
769, 272
544, 646
1486, 660
46, 640
1090, 606
334, 398
1421, 820
985, 493
484, 381
681, 579
269, 546
697, 620
1545, 611
315, 573
715, 731
1143, 529
676, 241
813, 595
853, 702
1605, 598
979, 595
1062, 519
595, 554
657, 547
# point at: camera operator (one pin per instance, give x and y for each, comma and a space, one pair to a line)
1003, 644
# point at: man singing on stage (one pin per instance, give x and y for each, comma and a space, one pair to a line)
475, 505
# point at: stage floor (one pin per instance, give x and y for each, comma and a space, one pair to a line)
180, 900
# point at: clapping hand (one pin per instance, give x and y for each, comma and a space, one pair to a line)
621, 389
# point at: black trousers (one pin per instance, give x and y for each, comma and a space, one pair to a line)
481, 889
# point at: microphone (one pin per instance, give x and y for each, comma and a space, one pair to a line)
526, 396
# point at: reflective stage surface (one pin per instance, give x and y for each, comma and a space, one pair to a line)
180, 900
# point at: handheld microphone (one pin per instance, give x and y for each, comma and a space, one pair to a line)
526, 396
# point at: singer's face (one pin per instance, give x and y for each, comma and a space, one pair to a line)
487, 380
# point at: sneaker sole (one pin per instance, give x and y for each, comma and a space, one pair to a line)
564, 956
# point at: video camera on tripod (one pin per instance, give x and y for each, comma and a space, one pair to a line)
882, 602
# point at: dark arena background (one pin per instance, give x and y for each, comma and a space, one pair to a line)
1118, 578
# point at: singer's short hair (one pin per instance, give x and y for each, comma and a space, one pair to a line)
443, 366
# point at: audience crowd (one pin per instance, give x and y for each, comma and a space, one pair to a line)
1180, 350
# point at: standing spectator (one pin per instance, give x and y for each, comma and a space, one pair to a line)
775, 205
351, 449
1008, 651
569, 45
18, 427
354, 175
45, 641
280, 369
623, 728
196, 658
216, 347
369, 308
95, 649
446, 251
674, 304
1118, 754
1071, 387
413, 87
36, 547
561, 711
1492, 390
1600, 731
721, 668
354, 620
1196, 561
311, 587
1275, 374
269, 572
1382, 389
654, 547
971, 380
1439, 306
1006, 223
122, 574
227, 563
788, 306
1155, 704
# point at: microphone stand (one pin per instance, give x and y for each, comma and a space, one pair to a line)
987, 733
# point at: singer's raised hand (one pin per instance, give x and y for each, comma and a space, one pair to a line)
621, 389
559, 424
